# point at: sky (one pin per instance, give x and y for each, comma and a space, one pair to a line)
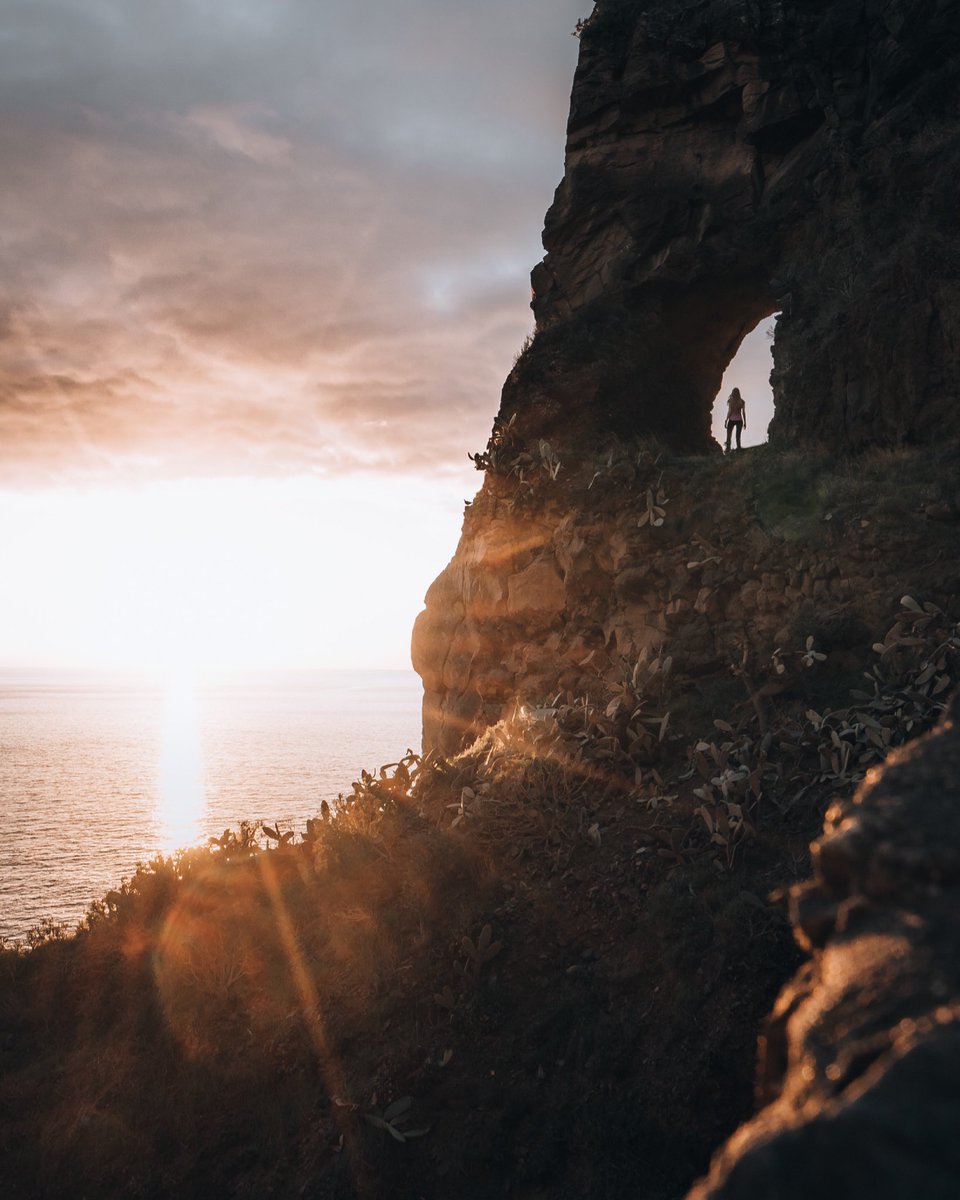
264, 266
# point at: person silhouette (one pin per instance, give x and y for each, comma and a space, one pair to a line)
736, 417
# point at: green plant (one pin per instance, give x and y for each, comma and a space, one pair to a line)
549, 461
446, 999
48, 930
484, 950
656, 511
242, 841
524, 348
501, 448
11, 954
273, 832
393, 1118
505, 455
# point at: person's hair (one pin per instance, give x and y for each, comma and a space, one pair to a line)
735, 392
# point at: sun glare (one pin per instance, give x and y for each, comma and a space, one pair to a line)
222, 574
180, 787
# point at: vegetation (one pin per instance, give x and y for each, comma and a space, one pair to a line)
541, 964
506, 455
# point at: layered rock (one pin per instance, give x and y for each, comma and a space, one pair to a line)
862, 1056
562, 585
727, 160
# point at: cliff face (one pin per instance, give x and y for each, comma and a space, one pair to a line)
569, 586
727, 160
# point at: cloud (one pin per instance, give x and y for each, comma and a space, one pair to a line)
234, 130
271, 235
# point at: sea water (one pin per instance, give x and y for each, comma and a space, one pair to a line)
100, 772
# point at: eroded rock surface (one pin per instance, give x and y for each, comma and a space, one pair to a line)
726, 160
562, 585
861, 1060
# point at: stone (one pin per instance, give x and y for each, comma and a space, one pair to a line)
631, 585
680, 577
536, 592
433, 712
583, 577
726, 162
485, 591
860, 1061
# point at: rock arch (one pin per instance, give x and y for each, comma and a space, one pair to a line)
749, 370
726, 160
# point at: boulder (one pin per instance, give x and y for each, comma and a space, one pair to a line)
860, 1062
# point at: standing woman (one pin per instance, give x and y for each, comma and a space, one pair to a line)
736, 416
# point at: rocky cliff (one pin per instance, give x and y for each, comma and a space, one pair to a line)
728, 159
725, 160
576, 585
619, 580
537, 968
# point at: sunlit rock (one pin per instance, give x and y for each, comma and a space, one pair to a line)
536, 592
725, 161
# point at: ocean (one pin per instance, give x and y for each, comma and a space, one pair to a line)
99, 772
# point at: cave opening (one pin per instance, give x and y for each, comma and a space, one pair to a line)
749, 370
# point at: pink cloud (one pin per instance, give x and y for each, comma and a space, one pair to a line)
281, 238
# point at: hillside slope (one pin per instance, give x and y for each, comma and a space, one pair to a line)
553, 951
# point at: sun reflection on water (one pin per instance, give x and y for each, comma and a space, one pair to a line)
180, 787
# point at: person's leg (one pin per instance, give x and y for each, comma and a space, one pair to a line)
729, 431
739, 433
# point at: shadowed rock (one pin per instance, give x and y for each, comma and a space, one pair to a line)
861, 1059
727, 160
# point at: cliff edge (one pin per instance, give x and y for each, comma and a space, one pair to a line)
617, 579
535, 960
725, 161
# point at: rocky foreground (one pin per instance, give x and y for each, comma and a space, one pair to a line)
730, 640
860, 1059
539, 967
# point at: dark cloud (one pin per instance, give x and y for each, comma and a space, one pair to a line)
269, 235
